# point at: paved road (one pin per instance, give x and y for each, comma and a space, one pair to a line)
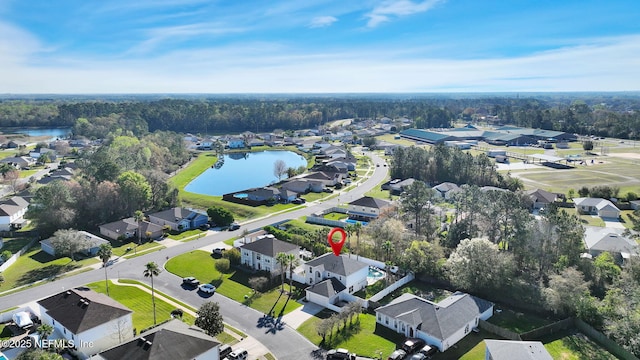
285, 344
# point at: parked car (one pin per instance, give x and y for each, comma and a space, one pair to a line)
338, 354
327, 190
412, 345
238, 354
191, 281
224, 350
234, 226
218, 251
428, 350
298, 201
418, 356
207, 288
397, 355
204, 227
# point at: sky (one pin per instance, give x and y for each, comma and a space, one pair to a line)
318, 46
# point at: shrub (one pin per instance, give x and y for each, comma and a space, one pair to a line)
233, 255
223, 265
5, 255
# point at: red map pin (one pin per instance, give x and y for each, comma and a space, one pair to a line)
337, 246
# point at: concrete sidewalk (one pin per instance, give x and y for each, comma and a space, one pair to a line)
295, 318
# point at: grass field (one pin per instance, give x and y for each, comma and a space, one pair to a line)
36, 265
234, 285
139, 301
363, 338
517, 322
571, 345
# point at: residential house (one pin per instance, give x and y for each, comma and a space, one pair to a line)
37, 153
635, 204
128, 228
335, 152
94, 321
18, 162
332, 277
299, 186
287, 196
169, 341
79, 142
598, 240
327, 178
440, 324
446, 190
179, 218
597, 206
367, 208
263, 194
235, 143
397, 186
261, 253
540, 198
15, 144
350, 161
12, 213
521, 350
90, 244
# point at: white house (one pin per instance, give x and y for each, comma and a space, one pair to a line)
169, 341
521, 350
367, 208
12, 213
330, 276
597, 206
440, 324
179, 218
93, 321
261, 253
90, 244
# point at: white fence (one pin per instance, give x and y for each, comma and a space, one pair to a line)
15, 256
327, 222
371, 262
391, 288
8, 315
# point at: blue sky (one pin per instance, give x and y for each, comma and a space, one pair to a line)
318, 46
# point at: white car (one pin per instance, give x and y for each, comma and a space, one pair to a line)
207, 288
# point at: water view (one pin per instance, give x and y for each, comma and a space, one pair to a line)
53, 133
243, 171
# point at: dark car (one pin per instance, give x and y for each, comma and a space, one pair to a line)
204, 227
338, 354
418, 356
428, 350
218, 251
224, 350
191, 281
412, 345
397, 355
234, 226
298, 201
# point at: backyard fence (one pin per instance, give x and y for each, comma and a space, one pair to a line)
327, 222
603, 340
15, 256
547, 329
391, 288
500, 331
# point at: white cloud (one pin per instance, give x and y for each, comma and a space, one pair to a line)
322, 21
605, 64
389, 9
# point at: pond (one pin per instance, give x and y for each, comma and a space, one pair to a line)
240, 171
53, 133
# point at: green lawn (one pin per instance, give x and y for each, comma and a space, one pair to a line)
14, 244
5, 333
139, 301
234, 285
571, 345
36, 265
336, 216
120, 249
363, 337
185, 234
420, 289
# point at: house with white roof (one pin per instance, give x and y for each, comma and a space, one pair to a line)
332, 277
521, 350
12, 213
90, 244
597, 206
440, 324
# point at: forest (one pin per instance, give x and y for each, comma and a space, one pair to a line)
607, 114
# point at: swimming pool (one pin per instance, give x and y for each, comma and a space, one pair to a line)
351, 221
374, 275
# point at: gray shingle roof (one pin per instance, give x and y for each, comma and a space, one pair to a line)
439, 320
121, 226
172, 340
370, 202
173, 215
327, 288
270, 246
521, 350
609, 239
77, 316
341, 265
541, 196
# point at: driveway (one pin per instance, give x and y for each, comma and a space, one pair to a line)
613, 223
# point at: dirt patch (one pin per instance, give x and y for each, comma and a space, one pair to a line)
626, 155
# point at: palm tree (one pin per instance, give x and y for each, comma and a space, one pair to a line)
294, 261
104, 253
138, 216
283, 260
45, 330
387, 246
152, 269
